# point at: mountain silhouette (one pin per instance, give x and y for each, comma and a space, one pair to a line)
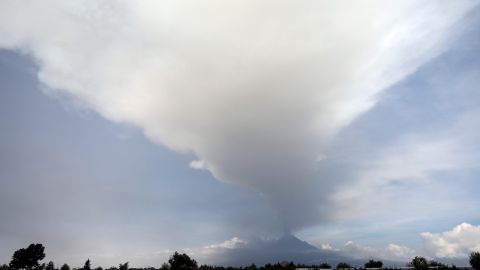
286, 248
289, 242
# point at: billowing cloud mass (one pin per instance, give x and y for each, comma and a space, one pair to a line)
392, 252
255, 90
456, 243
213, 249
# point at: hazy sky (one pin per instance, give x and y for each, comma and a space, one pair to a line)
131, 130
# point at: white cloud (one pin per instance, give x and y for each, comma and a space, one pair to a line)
358, 251
257, 98
198, 165
235, 242
397, 252
210, 252
327, 247
456, 243
392, 252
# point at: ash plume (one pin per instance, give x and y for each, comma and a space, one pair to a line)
255, 90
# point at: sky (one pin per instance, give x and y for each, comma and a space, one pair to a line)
132, 130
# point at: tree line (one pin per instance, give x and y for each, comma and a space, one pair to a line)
30, 259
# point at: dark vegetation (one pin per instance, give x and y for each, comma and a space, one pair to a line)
475, 260
30, 259
374, 264
343, 265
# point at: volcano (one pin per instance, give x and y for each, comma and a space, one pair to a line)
286, 248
